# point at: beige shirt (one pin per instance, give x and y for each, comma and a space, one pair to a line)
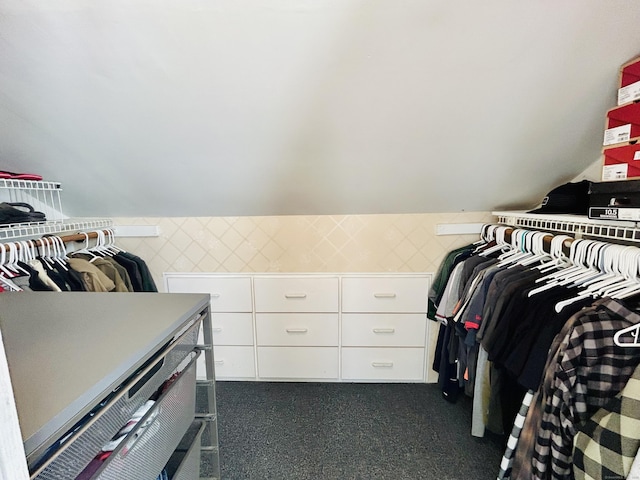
93, 278
106, 266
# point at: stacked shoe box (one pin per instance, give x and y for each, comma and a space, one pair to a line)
617, 197
621, 152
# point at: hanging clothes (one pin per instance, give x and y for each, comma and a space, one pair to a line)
146, 282
92, 277
538, 361
607, 444
587, 370
442, 275
106, 266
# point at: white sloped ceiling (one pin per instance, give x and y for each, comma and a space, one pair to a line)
260, 107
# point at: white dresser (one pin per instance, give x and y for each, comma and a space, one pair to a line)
232, 320
384, 328
297, 327
316, 327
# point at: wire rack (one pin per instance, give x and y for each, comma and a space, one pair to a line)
22, 231
44, 197
576, 225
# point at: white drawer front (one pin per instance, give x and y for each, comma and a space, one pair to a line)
385, 294
302, 329
231, 362
383, 364
228, 294
232, 328
298, 362
295, 294
384, 329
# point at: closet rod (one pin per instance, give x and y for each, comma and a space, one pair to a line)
546, 239
76, 237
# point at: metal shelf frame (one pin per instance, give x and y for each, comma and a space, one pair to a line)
43, 196
576, 225
26, 231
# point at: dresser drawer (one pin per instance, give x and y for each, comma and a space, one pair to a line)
301, 329
384, 329
385, 294
296, 294
401, 364
228, 294
232, 328
232, 362
298, 362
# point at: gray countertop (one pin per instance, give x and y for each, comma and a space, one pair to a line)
66, 351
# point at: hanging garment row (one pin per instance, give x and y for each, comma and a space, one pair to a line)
52, 263
540, 330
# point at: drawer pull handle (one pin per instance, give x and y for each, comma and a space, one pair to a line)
219, 362
384, 330
297, 330
295, 295
216, 329
382, 364
384, 295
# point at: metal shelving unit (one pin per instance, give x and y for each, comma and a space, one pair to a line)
576, 225
44, 197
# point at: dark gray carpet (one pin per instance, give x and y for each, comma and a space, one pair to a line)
349, 431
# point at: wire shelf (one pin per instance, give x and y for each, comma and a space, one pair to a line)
25, 231
42, 196
576, 225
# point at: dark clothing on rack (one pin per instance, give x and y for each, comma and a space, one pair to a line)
36, 284
442, 275
72, 278
54, 275
147, 282
122, 272
132, 269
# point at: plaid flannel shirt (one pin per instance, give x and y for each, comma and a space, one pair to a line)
518, 424
590, 370
606, 446
521, 457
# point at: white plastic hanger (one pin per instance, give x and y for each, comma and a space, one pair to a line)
576, 258
575, 255
111, 235
518, 249
7, 284
85, 248
537, 249
557, 257
634, 331
618, 262
60, 253
13, 260
46, 251
501, 244
3, 262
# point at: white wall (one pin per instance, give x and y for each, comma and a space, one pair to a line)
262, 107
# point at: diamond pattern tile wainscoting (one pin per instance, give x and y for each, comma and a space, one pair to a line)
298, 243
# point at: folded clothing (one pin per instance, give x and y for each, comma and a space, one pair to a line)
19, 176
18, 212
